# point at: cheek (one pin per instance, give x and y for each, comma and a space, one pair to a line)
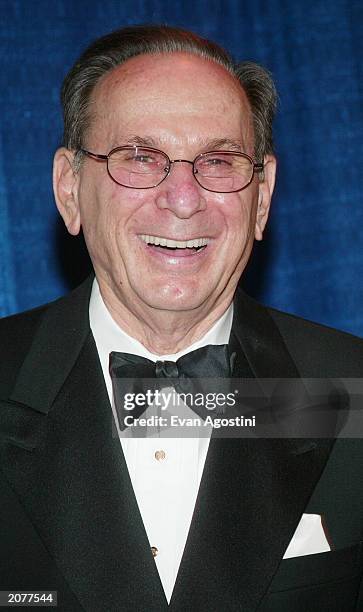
107, 210
238, 216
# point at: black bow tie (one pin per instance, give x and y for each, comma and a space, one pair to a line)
208, 362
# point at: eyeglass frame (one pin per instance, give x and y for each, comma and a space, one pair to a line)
256, 166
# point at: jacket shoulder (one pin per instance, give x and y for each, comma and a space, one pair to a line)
16, 337
19, 331
318, 349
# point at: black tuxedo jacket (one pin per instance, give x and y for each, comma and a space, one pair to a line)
69, 520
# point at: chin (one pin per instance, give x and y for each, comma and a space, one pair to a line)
172, 298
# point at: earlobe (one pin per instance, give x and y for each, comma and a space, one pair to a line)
261, 217
65, 187
266, 188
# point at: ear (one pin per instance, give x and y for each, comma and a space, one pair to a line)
65, 187
265, 190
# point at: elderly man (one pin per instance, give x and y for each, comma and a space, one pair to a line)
168, 168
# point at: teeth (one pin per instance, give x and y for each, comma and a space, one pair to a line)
175, 244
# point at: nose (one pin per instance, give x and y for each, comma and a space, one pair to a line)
180, 192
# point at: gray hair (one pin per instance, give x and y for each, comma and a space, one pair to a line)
114, 49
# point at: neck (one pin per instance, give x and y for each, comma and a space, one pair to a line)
164, 332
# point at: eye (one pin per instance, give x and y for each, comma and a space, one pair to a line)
142, 161
216, 161
215, 165
141, 158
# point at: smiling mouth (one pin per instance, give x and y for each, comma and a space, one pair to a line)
177, 246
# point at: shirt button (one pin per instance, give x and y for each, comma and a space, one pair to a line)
159, 455
154, 551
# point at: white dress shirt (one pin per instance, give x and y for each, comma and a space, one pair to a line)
165, 472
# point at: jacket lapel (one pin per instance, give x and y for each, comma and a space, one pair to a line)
253, 491
86, 512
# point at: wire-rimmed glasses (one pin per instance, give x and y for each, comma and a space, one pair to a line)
145, 167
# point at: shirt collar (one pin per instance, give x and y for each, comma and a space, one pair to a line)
110, 337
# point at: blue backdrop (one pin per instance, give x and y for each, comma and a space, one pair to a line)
311, 260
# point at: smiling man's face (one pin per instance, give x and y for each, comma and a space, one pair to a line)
183, 105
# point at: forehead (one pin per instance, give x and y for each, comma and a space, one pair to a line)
180, 94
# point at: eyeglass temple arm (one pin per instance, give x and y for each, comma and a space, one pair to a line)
257, 167
95, 155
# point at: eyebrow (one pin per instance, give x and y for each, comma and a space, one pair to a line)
224, 143
210, 145
146, 141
